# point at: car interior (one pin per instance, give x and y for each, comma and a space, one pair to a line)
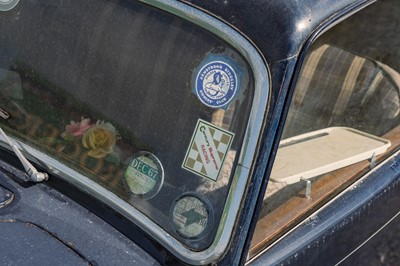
346, 84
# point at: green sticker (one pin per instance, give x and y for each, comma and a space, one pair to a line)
144, 175
191, 215
207, 150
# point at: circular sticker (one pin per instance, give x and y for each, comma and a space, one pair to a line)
191, 215
144, 175
6, 5
216, 84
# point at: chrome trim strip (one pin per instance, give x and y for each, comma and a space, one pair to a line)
368, 239
242, 173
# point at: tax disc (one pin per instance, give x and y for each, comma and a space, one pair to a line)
144, 175
191, 215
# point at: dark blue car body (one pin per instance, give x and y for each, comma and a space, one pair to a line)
56, 222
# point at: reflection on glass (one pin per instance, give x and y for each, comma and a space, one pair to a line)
106, 90
345, 82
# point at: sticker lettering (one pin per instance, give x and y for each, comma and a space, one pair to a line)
207, 150
216, 84
144, 175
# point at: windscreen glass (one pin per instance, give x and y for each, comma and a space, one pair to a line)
149, 106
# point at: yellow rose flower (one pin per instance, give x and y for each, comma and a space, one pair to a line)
100, 139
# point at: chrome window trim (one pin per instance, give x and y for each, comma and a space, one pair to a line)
243, 169
330, 24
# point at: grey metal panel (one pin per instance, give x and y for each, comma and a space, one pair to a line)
59, 229
345, 222
26, 244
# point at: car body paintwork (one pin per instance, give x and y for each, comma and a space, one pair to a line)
281, 31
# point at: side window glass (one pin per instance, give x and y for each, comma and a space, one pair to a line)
343, 118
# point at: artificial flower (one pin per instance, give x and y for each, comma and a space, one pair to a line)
76, 129
100, 139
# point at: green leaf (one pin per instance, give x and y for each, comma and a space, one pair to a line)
113, 158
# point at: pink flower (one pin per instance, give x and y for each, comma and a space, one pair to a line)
76, 129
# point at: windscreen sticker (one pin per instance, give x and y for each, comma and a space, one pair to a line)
217, 80
192, 216
207, 150
144, 175
216, 84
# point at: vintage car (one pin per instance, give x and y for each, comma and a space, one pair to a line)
199, 132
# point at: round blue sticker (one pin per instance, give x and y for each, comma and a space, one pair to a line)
216, 84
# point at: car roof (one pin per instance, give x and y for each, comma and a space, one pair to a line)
278, 28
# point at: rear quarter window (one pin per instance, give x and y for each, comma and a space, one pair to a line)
342, 121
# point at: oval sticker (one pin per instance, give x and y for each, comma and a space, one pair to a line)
216, 84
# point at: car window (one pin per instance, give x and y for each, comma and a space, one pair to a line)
343, 119
149, 106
